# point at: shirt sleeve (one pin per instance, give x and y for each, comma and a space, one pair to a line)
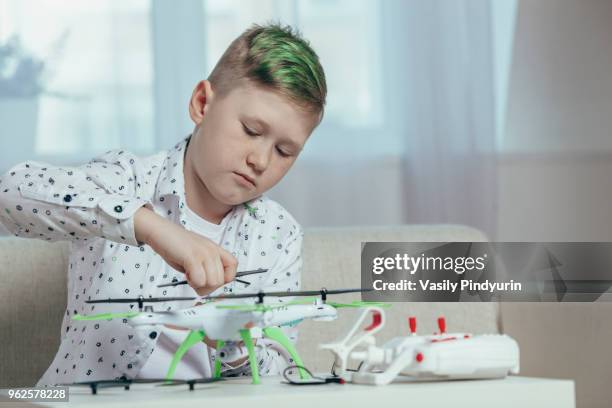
52, 203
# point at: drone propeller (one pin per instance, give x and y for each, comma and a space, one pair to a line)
126, 382
303, 301
248, 308
141, 300
105, 316
259, 307
358, 303
260, 295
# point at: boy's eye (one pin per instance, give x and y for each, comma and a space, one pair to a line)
282, 152
249, 131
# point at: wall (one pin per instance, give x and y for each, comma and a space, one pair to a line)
555, 178
561, 78
563, 197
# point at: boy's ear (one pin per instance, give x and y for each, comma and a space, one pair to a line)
200, 100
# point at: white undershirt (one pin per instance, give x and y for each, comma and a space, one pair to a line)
196, 361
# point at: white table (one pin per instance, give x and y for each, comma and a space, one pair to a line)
508, 392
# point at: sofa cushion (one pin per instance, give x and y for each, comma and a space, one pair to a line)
32, 304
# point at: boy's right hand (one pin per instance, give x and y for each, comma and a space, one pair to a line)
205, 264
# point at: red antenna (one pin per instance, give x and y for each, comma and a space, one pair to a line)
442, 324
412, 324
376, 321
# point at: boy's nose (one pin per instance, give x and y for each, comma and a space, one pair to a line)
259, 159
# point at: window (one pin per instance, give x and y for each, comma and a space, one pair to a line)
121, 71
99, 92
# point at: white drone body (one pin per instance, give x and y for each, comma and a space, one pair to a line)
445, 356
220, 320
224, 320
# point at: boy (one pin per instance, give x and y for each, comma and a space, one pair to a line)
194, 212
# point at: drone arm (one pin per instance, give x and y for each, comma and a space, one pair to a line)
193, 338
220, 344
276, 334
248, 342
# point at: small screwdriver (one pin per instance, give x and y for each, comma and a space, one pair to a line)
238, 274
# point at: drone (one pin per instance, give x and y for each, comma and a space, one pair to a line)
221, 318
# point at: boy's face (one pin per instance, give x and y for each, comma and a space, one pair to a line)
245, 141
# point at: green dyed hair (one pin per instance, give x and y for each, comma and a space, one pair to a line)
275, 57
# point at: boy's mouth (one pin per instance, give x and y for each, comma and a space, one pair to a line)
246, 178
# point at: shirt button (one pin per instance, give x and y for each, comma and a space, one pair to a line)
118, 208
153, 335
67, 198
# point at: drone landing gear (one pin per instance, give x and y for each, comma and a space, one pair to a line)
276, 334
248, 342
217, 374
193, 338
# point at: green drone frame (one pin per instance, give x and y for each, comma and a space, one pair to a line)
274, 333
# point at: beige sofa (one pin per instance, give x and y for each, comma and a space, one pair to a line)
556, 340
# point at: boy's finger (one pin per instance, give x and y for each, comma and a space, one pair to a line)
196, 275
221, 272
230, 265
213, 272
218, 276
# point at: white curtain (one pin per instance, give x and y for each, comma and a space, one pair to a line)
409, 133
449, 82
439, 100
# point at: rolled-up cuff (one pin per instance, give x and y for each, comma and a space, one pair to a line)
121, 210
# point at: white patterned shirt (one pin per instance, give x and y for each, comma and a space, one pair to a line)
93, 207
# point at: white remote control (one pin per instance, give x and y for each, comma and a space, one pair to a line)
444, 356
